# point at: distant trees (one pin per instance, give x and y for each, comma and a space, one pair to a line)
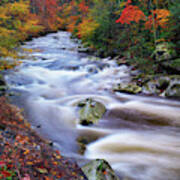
47, 11
16, 24
127, 28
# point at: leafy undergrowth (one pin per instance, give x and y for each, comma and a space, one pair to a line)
26, 156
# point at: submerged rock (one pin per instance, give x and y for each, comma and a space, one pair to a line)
128, 88
90, 111
99, 169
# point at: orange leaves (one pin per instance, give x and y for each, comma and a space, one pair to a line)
160, 18
71, 23
131, 13
47, 12
82, 7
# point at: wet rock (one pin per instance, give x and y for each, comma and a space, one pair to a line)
92, 69
153, 85
173, 91
90, 111
163, 85
129, 88
82, 49
84, 139
99, 169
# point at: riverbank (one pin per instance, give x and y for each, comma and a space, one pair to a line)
24, 154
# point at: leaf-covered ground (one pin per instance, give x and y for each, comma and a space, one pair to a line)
26, 156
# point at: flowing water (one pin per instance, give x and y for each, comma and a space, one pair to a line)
139, 136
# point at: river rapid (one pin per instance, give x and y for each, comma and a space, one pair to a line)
139, 136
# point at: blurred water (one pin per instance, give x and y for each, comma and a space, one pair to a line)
139, 136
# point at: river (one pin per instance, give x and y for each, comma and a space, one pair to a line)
139, 136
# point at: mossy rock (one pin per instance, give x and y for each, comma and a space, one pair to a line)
163, 85
151, 88
90, 111
128, 88
99, 169
173, 91
164, 51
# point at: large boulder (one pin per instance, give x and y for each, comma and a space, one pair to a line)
90, 111
164, 51
129, 88
99, 169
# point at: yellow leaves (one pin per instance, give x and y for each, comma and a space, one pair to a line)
87, 28
57, 155
18, 9
16, 24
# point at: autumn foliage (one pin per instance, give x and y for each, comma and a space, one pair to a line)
160, 16
26, 156
131, 14
125, 28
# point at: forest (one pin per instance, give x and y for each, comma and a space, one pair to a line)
89, 89
133, 30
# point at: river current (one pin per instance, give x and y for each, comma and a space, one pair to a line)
139, 136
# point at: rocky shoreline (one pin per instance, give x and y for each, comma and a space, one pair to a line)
24, 155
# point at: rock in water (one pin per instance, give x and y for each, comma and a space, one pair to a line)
168, 86
90, 111
129, 88
99, 169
